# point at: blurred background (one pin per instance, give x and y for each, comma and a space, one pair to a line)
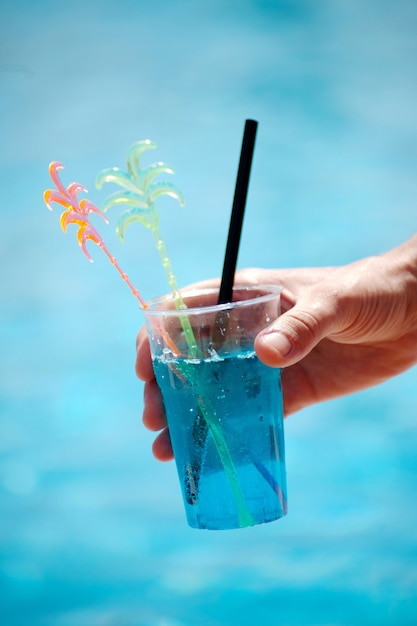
92, 529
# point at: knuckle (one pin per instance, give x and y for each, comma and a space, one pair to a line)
304, 328
248, 276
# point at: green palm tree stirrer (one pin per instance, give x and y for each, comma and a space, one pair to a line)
140, 194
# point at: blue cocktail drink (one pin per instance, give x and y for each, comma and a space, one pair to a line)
224, 408
243, 397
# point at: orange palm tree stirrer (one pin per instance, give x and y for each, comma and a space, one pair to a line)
77, 212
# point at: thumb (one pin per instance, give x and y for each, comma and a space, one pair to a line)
294, 334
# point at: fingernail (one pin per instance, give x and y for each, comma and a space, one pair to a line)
279, 342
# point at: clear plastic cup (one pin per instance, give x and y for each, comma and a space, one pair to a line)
223, 406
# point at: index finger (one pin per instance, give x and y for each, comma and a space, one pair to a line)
144, 369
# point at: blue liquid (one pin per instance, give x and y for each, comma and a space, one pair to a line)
240, 398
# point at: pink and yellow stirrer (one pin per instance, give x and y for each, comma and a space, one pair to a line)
78, 212
139, 194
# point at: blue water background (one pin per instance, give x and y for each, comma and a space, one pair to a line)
92, 529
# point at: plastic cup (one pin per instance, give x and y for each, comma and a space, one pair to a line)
223, 406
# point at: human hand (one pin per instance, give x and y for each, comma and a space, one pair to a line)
342, 329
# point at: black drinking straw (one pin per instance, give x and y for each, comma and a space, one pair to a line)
192, 471
238, 210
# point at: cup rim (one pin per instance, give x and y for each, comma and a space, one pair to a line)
272, 292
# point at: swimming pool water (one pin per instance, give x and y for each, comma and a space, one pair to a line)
92, 529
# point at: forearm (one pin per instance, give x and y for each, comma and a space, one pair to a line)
401, 275
402, 264
406, 255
